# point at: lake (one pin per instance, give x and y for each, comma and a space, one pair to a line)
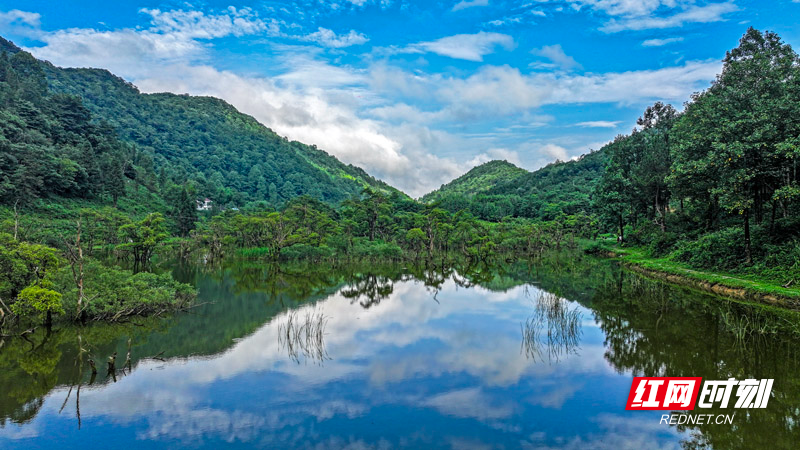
519, 355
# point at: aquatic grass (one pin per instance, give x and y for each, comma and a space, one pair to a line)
303, 336
253, 252
553, 329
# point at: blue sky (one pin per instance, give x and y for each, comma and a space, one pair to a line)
415, 92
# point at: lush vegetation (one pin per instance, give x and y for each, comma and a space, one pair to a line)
478, 180
226, 155
375, 226
51, 149
91, 170
551, 193
716, 186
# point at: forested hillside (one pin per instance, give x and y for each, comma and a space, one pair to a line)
226, 155
478, 180
494, 190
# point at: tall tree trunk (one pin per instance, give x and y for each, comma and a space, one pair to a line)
747, 249
772, 218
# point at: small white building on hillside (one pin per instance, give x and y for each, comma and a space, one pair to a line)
204, 205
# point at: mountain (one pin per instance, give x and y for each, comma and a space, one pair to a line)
479, 179
229, 156
498, 189
568, 184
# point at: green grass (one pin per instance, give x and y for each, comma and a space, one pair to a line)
753, 285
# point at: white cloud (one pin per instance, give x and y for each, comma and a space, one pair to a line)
505, 90
199, 25
556, 151
625, 7
463, 4
660, 42
653, 14
557, 56
598, 124
328, 38
495, 154
470, 47
713, 12
16, 17
469, 402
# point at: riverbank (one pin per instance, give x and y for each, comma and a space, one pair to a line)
735, 286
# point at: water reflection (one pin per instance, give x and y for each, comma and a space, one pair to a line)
303, 336
368, 289
392, 367
553, 330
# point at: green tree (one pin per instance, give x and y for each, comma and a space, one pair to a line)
140, 239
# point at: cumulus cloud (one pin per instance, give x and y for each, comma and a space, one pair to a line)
470, 47
556, 151
16, 17
506, 90
557, 57
328, 38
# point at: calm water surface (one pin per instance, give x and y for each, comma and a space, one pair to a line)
524, 355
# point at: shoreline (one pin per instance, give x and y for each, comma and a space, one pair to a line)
718, 283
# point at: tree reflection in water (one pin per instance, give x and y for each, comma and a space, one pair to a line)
553, 330
370, 289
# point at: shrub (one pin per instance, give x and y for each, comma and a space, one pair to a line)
113, 293
662, 244
376, 249
723, 249
305, 251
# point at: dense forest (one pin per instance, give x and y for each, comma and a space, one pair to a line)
94, 174
205, 142
716, 185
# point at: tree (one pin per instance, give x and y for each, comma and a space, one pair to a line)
732, 136
183, 207
39, 302
140, 239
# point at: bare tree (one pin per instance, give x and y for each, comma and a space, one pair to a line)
75, 257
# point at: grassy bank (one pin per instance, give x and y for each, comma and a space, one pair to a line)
738, 286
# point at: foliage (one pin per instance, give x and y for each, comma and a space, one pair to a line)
23, 265
37, 302
115, 293
140, 239
478, 180
713, 184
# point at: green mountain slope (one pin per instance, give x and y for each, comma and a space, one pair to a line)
230, 156
567, 185
479, 179
494, 190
